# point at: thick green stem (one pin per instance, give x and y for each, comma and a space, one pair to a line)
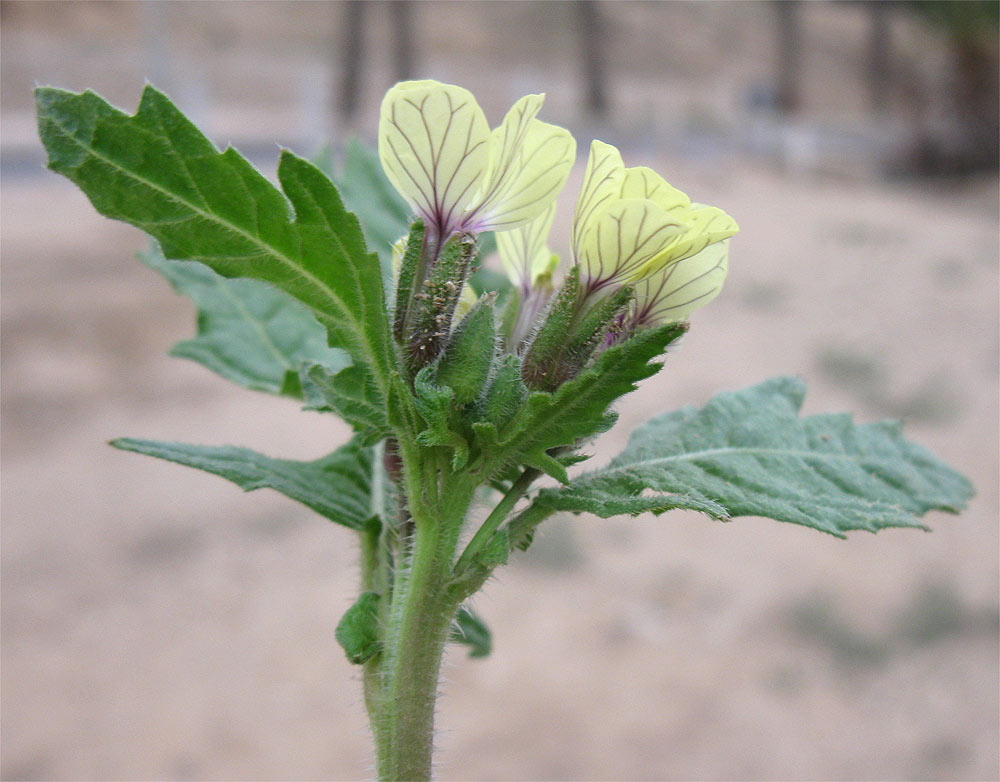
418, 619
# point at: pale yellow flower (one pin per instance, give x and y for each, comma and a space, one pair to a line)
525, 252
437, 150
630, 223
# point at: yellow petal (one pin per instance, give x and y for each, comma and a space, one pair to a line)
706, 225
529, 163
602, 182
682, 287
398, 251
622, 238
524, 251
643, 182
466, 301
433, 141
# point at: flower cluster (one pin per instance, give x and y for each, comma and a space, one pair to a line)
642, 253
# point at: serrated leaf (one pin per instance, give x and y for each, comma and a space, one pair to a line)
351, 394
469, 629
358, 630
578, 409
470, 578
249, 332
434, 404
337, 486
383, 213
747, 453
157, 171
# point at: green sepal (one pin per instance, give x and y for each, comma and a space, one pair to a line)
748, 453
337, 486
505, 393
591, 328
546, 347
432, 306
469, 629
358, 629
467, 359
408, 270
435, 404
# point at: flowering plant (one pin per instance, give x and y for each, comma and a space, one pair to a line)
460, 385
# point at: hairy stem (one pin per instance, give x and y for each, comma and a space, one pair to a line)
497, 516
419, 617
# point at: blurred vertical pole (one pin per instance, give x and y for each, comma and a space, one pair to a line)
593, 51
155, 38
789, 42
352, 52
402, 38
879, 79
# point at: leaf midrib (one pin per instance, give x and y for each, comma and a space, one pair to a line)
298, 268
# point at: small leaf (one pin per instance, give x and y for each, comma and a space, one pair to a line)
337, 486
350, 393
578, 409
248, 331
434, 404
747, 453
469, 629
358, 631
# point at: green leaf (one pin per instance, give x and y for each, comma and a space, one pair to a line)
248, 331
358, 631
337, 486
434, 404
578, 409
158, 172
351, 394
383, 213
747, 453
469, 629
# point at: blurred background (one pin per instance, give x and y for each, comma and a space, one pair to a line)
159, 624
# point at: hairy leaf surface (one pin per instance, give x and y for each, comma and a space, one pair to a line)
748, 453
337, 486
158, 172
249, 332
579, 408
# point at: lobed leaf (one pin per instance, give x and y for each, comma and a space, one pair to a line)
578, 409
337, 486
748, 453
157, 171
469, 629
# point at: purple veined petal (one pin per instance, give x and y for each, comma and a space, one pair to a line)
434, 148
529, 163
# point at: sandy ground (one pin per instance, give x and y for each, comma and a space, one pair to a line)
159, 624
